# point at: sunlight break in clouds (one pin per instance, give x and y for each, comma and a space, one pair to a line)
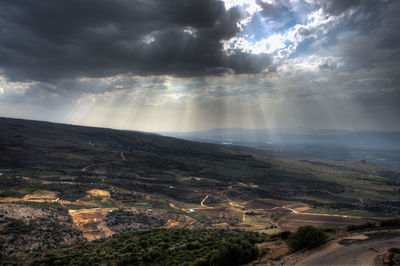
250, 6
287, 41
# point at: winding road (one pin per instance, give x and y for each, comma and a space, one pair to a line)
87, 167
84, 169
202, 202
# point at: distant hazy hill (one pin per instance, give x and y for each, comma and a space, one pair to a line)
354, 139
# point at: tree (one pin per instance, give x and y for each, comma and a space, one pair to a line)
306, 237
234, 251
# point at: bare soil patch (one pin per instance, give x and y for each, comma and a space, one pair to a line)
99, 193
91, 222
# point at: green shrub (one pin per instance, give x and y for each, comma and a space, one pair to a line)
159, 247
331, 229
284, 234
389, 223
306, 237
360, 226
234, 251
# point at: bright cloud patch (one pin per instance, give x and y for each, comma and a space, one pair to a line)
284, 43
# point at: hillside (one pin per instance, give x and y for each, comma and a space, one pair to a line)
102, 182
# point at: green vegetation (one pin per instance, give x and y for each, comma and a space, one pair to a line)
284, 234
390, 223
45, 205
234, 251
281, 235
306, 237
122, 221
19, 237
360, 226
159, 247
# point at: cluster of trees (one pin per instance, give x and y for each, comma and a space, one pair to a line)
160, 247
234, 251
18, 237
355, 227
306, 237
123, 221
391, 223
387, 223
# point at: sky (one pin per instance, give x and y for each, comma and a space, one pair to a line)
186, 65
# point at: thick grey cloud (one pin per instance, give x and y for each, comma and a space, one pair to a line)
337, 7
54, 39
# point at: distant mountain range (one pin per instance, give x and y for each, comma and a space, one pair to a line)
371, 139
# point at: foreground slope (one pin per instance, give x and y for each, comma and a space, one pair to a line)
363, 249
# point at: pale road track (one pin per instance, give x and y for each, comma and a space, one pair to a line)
85, 168
202, 202
357, 253
89, 166
277, 223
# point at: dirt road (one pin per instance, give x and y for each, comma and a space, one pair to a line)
84, 169
87, 167
202, 202
355, 250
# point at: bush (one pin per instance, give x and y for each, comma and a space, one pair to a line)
332, 229
235, 251
389, 223
360, 226
306, 237
284, 234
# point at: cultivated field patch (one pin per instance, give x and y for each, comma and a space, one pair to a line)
91, 222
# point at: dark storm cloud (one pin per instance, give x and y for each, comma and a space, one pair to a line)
376, 46
337, 7
372, 47
54, 39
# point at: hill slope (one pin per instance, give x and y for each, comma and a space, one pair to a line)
105, 181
